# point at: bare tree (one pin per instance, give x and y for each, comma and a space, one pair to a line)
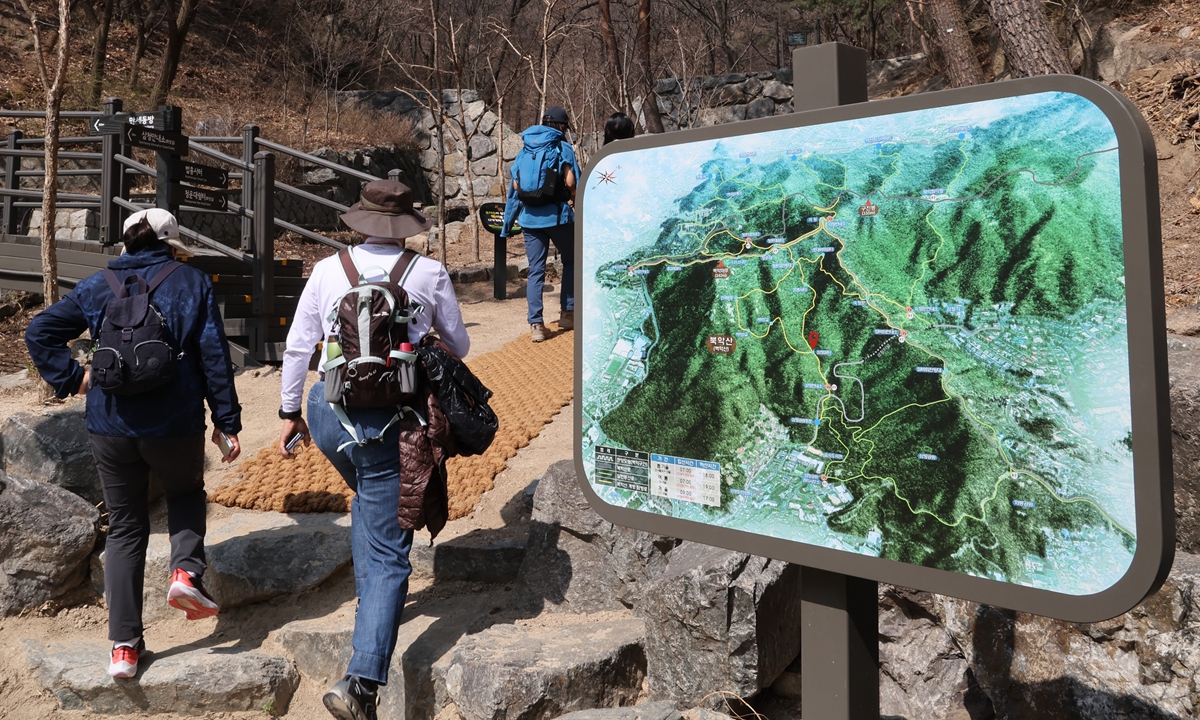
962, 67
100, 48
654, 122
60, 40
615, 78
1030, 46
179, 22
143, 16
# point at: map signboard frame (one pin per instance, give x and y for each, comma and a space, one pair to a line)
1148, 380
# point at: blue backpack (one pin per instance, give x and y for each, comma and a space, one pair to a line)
541, 176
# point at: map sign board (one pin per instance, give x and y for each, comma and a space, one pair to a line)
918, 340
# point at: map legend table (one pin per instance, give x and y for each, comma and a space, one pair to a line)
677, 478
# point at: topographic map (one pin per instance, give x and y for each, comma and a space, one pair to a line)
902, 336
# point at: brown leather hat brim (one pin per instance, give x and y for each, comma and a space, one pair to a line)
375, 224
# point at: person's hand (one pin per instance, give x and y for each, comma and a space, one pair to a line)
290, 428
87, 379
236, 447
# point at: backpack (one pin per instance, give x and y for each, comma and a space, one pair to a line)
133, 353
464, 400
540, 179
369, 361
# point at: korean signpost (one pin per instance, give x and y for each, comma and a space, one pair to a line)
916, 341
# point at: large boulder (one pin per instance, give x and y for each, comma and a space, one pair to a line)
575, 560
718, 620
252, 556
1120, 48
511, 672
46, 535
53, 447
195, 682
649, 711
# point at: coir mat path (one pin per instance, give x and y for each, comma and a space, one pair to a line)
531, 383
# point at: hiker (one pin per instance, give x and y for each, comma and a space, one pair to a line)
618, 127
542, 200
361, 435
159, 352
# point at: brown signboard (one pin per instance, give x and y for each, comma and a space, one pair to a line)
196, 197
161, 140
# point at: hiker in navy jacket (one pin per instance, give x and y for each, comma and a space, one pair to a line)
159, 431
552, 222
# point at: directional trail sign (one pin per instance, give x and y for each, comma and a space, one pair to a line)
205, 175
197, 197
919, 341
115, 124
165, 141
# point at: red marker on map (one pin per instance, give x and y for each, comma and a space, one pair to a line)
812, 339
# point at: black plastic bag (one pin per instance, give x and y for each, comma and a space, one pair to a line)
463, 398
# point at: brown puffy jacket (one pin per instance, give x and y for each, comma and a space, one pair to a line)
424, 501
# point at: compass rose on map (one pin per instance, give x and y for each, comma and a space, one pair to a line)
608, 178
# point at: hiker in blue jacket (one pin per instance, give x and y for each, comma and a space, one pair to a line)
541, 199
158, 430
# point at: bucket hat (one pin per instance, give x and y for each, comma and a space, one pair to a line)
386, 210
164, 225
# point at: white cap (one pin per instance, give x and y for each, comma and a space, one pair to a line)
164, 225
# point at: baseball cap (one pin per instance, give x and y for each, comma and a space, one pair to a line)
555, 115
164, 225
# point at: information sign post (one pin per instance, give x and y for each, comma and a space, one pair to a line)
918, 341
491, 216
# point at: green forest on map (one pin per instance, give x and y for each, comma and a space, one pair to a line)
901, 336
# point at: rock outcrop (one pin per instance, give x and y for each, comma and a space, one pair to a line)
195, 682
575, 561
53, 447
46, 534
718, 620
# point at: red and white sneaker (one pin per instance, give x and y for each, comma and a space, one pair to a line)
125, 660
188, 595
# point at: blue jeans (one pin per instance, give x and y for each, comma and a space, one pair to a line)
537, 245
379, 545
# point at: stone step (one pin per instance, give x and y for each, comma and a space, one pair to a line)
660, 710
523, 672
252, 556
321, 648
471, 561
191, 682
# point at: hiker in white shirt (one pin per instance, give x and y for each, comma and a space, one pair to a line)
363, 442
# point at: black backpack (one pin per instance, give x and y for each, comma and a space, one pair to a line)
133, 352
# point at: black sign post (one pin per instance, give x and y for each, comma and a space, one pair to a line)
491, 216
164, 141
205, 175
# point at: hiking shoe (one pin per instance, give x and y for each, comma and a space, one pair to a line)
125, 660
188, 595
349, 700
566, 320
538, 332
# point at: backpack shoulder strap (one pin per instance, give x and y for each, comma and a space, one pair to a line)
114, 283
403, 267
162, 275
351, 271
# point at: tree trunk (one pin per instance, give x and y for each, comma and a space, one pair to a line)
54, 87
1029, 43
100, 50
654, 122
177, 30
612, 56
962, 67
472, 208
439, 122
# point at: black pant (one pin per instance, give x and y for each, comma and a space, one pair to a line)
125, 464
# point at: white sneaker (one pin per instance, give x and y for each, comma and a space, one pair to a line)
188, 594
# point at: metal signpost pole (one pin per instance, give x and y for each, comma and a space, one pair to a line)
249, 136
839, 615
110, 179
168, 163
11, 182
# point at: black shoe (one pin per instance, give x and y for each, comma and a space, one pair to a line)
348, 699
